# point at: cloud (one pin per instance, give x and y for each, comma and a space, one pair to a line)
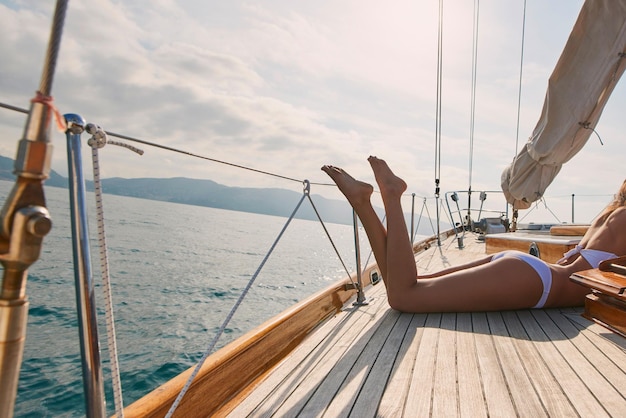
288, 86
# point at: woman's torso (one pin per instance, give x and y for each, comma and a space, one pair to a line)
606, 236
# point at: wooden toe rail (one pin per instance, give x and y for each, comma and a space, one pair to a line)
607, 302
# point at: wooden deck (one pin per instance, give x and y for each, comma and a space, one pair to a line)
371, 361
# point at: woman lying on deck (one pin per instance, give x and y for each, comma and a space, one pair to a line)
502, 281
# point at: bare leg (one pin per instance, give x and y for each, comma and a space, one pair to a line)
401, 269
476, 286
358, 194
507, 283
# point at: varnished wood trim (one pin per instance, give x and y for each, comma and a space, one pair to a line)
569, 230
551, 248
231, 372
607, 311
606, 282
233, 367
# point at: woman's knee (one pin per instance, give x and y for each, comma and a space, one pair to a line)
393, 302
401, 302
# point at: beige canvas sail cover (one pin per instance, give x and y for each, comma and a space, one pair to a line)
583, 79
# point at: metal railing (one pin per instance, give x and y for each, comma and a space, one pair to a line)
466, 218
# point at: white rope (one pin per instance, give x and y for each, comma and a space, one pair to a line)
99, 140
106, 288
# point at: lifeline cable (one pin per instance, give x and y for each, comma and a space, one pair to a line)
230, 315
191, 154
328, 234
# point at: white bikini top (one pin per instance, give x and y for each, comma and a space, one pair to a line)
593, 257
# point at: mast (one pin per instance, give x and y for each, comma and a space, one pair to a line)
25, 221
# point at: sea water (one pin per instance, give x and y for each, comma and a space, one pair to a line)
176, 272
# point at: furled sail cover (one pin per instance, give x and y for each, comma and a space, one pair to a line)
583, 79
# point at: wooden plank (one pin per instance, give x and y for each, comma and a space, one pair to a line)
525, 398
572, 370
494, 385
397, 390
437, 258
366, 405
345, 395
316, 392
471, 400
375, 362
445, 396
607, 341
230, 370
610, 368
418, 404
288, 375
548, 388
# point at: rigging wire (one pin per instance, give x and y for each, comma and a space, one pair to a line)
438, 114
191, 154
45, 85
230, 315
472, 109
473, 94
438, 94
98, 140
519, 102
212, 344
545, 204
521, 72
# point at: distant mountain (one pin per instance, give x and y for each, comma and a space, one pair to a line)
7, 167
277, 202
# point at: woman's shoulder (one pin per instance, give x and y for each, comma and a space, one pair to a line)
616, 225
618, 214
621, 209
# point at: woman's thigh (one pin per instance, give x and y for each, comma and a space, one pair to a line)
503, 284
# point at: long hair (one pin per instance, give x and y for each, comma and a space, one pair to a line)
618, 201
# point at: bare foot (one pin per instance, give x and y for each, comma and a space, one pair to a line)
357, 192
390, 185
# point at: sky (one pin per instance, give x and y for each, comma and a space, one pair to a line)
286, 86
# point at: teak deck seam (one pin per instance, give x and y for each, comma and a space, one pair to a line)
382, 363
